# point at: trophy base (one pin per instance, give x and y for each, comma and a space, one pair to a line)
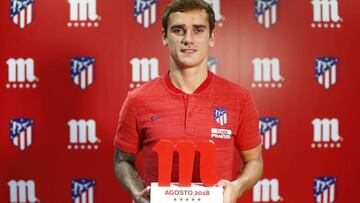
196, 193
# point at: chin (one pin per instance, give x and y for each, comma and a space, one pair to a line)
188, 64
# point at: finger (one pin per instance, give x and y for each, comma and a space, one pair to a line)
221, 183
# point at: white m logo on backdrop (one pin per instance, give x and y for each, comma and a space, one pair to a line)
21, 71
82, 134
326, 11
21, 191
326, 133
81, 11
266, 190
143, 70
267, 72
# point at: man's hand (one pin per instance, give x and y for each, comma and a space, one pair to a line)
129, 178
231, 191
143, 196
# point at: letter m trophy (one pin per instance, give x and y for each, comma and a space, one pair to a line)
166, 191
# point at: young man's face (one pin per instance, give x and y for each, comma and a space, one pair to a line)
188, 38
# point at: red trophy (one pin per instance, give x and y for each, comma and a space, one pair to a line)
185, 191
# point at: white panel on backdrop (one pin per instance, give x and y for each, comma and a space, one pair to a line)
326, 133
22, 191
266, 190
326, 14
21, 73
83, 13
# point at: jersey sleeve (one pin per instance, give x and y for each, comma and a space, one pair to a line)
127, 138
248, 135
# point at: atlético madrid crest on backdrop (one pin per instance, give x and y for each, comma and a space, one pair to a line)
216, 6
213, 64
266, 12
221, 116
82, 71
21, 12
21, 130
269, 131
324, 189
326, 71
145, 12
82, 190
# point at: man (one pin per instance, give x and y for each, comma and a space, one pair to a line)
188, 103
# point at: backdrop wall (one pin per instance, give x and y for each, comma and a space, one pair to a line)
66, 68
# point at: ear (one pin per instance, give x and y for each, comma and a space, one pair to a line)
212, 39
164, 38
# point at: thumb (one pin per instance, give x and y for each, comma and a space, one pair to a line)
221, 183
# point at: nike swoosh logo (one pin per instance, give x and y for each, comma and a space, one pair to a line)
154, 118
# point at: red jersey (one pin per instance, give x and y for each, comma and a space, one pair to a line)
218, 110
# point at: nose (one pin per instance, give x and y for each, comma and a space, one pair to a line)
188, 38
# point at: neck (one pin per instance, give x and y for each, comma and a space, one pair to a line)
188, 79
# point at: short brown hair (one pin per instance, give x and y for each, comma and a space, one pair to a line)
188, 5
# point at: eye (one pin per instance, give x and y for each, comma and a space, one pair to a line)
199, 30
178, 31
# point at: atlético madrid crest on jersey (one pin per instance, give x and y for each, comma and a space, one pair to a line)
324, 189
21, 132
21, 12
82, 190
82, 71
325, 71
145, 12
266, 12
221, 116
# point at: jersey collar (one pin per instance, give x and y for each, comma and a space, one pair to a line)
200, 89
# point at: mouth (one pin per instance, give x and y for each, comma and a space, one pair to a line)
188, 51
